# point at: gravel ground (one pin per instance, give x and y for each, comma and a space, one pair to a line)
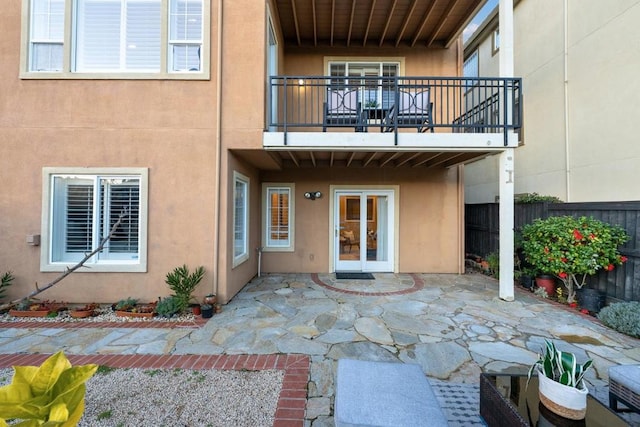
178, 397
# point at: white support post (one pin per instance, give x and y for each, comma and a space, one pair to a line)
506, 224
507, 171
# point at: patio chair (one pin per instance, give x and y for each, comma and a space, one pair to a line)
343, 109
348, 238
414, 109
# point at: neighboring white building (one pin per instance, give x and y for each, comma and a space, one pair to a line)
579, 62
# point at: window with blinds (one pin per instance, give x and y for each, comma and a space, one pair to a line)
85, 209
278, 216
107, 36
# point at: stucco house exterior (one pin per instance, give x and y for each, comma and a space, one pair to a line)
579, 76
286, 136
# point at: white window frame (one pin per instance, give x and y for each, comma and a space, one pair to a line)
267, 244
239, 258
69, 47
495, 41
95, 264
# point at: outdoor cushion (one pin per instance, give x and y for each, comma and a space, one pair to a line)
384, 394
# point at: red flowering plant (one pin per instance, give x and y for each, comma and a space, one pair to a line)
572, 248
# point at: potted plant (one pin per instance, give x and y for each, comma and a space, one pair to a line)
571, 248
183, 282
206, 310
560, 382
129, 307
86, 310
31, 308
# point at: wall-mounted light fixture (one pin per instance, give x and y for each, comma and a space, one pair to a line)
300, 82
312, 195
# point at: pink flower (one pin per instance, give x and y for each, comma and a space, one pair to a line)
562, 275
577, 235
609, 267
546, 250
573, 305
623, 258
563, 259
584, 311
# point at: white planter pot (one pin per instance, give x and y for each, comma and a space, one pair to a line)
568, 402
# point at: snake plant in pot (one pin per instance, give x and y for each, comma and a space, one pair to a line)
560, 382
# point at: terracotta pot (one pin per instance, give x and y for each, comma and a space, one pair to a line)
195, 308
210, 299
132, 314
80, 314
547, 282
29, 313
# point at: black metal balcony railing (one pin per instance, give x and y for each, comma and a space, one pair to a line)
389, 104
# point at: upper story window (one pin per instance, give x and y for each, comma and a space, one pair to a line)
495, 41
119, 38
471, 68
375, 79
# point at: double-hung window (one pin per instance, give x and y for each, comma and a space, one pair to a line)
240, 218
84, 210
278, 219
139, 38
374, 80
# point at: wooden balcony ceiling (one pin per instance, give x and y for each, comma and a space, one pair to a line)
375, 159
374, 23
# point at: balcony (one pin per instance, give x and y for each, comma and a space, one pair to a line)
393, 113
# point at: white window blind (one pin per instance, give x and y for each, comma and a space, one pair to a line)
118, 35
278, 217
85, 209
185, 35
47, 35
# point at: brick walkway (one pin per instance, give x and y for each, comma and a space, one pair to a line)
293, 395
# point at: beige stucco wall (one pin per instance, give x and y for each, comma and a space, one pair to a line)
165, 126
599, 158
428, 225
171, 128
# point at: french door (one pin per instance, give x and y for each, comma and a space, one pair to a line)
364, 225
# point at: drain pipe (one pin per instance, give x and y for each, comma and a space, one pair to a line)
218, 166
259, 249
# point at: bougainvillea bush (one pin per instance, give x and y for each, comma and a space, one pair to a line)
572, 248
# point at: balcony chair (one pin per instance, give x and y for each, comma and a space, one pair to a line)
343, 109
414, 110
348, 238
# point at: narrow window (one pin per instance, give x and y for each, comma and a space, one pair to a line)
47, 35
278, 217
240, 218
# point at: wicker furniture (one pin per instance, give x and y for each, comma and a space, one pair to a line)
506, 401
624, 386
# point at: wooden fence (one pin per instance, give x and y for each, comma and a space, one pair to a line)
482, 227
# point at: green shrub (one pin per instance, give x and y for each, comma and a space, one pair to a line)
572, 248
168, 306
535, 198
624, 317
183, 283
493, 259
6, 280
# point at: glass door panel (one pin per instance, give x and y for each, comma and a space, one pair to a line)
364, 229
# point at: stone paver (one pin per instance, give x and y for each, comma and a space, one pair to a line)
454, 326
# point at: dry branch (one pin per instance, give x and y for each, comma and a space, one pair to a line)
70, 270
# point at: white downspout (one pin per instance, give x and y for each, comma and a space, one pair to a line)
506, 159
217, 186
567, 148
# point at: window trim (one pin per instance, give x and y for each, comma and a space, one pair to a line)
46, 265
69, 46
266, 186
240, 258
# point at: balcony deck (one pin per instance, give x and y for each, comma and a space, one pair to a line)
465, 117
